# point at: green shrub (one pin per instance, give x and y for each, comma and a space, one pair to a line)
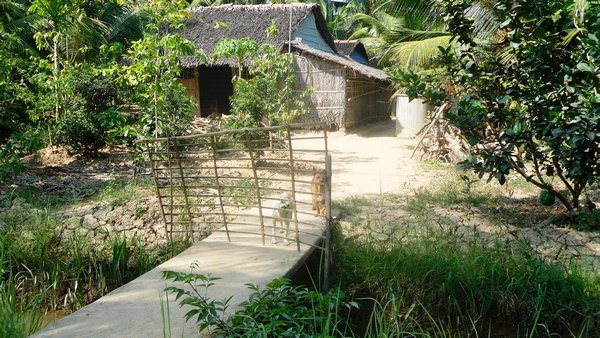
18, 145
269, 92
278, 310
86, 121
81, 133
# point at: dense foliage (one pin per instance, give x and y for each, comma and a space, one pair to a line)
152, 73
266, 95
66, 68
92, 101
528, 102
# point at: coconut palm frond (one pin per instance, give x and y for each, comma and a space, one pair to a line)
16, 21
485, 22
391, 22
405, 35
414, 53
365, 20
126, 25
80, 36
380, 6
9, 10
419, 14
361, 33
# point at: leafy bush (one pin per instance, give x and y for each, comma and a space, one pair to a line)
84, 125
278, 310
153, 77
268, 94
176, 114
18, 145
81, 133
528, 101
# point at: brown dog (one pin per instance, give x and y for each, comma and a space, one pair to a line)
317, 189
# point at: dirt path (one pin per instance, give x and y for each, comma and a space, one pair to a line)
372, 160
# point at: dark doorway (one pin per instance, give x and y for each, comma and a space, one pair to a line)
215, 89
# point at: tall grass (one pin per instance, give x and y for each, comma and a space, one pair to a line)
436, 284
42, 271
19, 311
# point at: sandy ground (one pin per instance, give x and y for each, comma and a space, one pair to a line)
372, 160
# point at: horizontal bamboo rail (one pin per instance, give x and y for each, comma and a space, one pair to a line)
232, 181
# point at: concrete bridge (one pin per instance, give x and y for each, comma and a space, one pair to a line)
137, 308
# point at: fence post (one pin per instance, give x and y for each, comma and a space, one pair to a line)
327, 263
153, 164
293, 173
256, 182
168, 151
184, 187
213, 141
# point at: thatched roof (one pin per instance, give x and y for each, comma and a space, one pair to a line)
368, 71
346, 47
209, 25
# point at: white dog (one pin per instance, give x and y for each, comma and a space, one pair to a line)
283, 208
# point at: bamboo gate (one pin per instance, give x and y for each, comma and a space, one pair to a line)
230, 181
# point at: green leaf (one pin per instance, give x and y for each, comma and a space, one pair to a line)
584, 67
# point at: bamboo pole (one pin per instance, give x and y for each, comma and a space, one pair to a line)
238, 131
327, 264
170, 191
293, 177
184, 188
440, 111
219, 188
256, 182
160, 201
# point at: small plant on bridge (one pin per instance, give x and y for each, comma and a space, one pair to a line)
278, 310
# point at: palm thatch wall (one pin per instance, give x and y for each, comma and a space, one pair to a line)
326, 83
344, 93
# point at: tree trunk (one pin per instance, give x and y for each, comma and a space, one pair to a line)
55, 75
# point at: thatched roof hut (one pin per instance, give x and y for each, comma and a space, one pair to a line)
345, 92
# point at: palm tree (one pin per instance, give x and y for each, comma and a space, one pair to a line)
409, 32
16, 22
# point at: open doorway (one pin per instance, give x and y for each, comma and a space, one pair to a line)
215, 89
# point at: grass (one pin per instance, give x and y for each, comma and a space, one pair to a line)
467, 288
242, 192
414, 278
41, 271
453, 190
119, 192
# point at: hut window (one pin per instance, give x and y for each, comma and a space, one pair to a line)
187, 74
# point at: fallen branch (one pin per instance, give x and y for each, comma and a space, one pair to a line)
439, 113
557, 219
